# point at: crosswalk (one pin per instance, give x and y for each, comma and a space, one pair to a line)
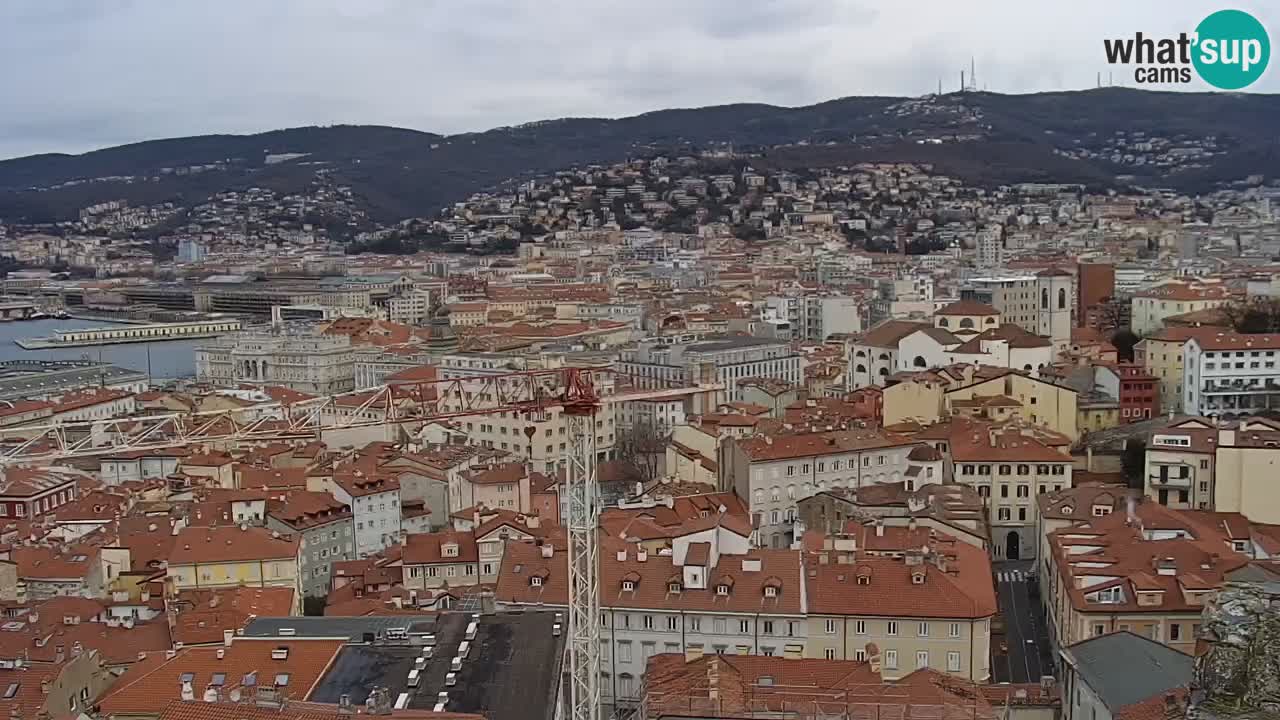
1006, 576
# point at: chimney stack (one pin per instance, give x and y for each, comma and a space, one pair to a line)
713, 678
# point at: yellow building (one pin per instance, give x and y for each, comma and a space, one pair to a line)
967, 315
233, 556
1246, 465
1160, 354
1152, 306
1041, 403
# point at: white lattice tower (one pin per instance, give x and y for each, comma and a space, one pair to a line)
584, 600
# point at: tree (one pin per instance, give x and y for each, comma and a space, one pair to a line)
1133, 462
1259, 315
1124, 339
641, 447
313, 604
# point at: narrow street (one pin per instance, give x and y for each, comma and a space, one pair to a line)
1023, 654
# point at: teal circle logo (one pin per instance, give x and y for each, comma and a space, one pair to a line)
1231, 49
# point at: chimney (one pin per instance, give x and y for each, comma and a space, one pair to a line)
227, 635
44, 686
873, 657
879, 528
713, 678
1130, 509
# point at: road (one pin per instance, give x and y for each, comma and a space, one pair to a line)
1029, 654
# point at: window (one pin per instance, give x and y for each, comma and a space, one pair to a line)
1002, 514
860, 627
831, 627
624, 651
628, 586
891, 628
829, 653
744, 626
767, 629
648, 622
673, 622
791, 470
694, 623
922, 659
1175, 631
954, 630
891, 659
953, 661
282, 680
923, 630
1099, 628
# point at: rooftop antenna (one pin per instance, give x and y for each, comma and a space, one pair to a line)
1099, 78
973, 72
961, 81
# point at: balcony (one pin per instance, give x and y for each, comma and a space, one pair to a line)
1178, 476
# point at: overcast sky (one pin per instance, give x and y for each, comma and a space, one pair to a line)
79, 75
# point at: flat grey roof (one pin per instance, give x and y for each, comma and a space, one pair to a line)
512, 671
734, 342
352, 628
1124, 668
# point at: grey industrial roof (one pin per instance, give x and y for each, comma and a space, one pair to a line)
352, 628
512, 671
732, 342
1124, 668
26, 383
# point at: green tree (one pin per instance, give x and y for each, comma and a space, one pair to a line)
1124, 340
1133, 462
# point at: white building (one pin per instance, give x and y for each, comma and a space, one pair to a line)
731, 358
1231, 374
317, 364
375, 508
1039, 303
772, 473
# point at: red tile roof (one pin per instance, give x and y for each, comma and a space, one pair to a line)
154, 681
231, 544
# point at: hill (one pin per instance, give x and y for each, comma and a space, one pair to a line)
398, 173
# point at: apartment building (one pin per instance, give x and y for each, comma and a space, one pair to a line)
1246, 463
722, 687
773, 472
1059, 509
316, 364
816, 317
1035, 401
1160, 353
940, 618
234, 556
1149, 570
500, 486
724, 360
325, 528
1010, 469
440, 560
710, 594
1152, 305
374, 499
1041, 304
29, 492
1180, 462
1230, 374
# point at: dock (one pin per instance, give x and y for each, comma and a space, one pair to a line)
158, 332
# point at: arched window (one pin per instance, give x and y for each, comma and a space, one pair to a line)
1044, 299
884, 371
966, 323
920, 362
942, 322
1027, 367
1062, 298
860, 368
991, 321
884, 357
